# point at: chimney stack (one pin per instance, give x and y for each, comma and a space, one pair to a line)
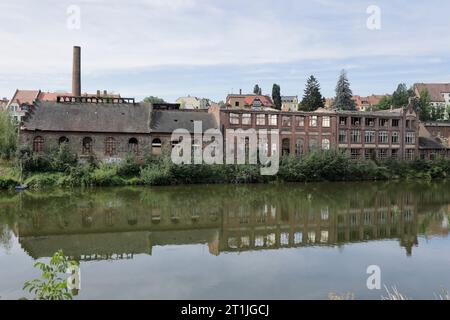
76, 72
240, 92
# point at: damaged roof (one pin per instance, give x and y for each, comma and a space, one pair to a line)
169, 121
88, 117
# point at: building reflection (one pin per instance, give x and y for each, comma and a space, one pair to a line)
117, 226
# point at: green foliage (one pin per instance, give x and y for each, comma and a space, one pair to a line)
8, 182
106, 176
257, 90
400, 97
43, 180
152, 99
8, 136
51, 285
344, 95
129, 167
385, 103
312, 98
276, 96
63, 159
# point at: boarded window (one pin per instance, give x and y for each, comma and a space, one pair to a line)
133, 146
110, 146
63, 140
38, 144
87, 145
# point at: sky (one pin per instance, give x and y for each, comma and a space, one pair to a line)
210, 48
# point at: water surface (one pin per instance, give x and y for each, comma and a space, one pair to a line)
290, 241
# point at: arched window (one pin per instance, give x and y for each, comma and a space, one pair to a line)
110, 146
38, 144
326, 144
286, 147
63, 140
156, 146
87, 146
133, 145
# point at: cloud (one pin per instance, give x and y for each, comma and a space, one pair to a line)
120, 35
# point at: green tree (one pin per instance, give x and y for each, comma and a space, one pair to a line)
344, 95
423, 105
276, 96
8, 136
437, 113
152, 99
400, 97
257, 90
312, 98
385, 103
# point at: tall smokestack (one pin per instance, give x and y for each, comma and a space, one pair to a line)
76, 72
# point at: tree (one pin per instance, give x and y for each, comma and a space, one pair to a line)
400, 97
8, 136
437, 113
344, 95
312, 98
257, 90
152, 99
423, 105
385, 103
276, 96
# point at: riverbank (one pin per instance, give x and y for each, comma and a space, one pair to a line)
62, 171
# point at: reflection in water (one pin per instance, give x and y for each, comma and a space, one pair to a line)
120, 223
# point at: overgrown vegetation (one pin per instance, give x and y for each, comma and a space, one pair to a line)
8, 136
60, 168
51, 285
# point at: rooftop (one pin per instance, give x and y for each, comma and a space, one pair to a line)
82, 117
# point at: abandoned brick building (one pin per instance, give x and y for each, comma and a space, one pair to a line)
106, 130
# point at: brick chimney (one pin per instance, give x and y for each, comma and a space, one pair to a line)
76, 72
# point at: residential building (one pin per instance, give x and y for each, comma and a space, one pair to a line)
3, 103
439, 95
289, 103
362, 103
241, 101
367, 103
20, 103
189, 102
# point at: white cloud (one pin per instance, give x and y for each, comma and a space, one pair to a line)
123, 35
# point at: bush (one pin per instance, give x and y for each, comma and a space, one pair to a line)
106, 176
130, 167
44, 180
156, 176
79, 176
62, 160
8, 182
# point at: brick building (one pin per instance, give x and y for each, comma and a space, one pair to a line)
108, 130
440, 130
369, 135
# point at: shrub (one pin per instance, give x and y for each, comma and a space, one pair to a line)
156, 176
130, 167
106, 176
8, 182
44, 180
62, 160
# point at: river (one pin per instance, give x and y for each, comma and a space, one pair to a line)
277, 241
